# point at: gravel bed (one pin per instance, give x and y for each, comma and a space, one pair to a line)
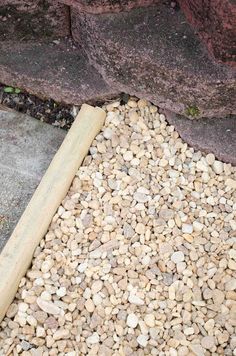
140, 257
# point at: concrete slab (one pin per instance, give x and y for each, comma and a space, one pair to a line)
26, 149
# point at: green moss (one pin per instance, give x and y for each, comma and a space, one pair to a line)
192, 111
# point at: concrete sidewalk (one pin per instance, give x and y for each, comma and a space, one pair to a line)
26, 149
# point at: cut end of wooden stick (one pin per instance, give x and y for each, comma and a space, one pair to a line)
33, 224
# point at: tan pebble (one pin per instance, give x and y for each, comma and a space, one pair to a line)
40, 316
61, 334
31, 320
218, 296
132, 103
140, 228
128, 156
223, 337
133, 115
89, 305
197, 349
210, 158
232, 265
150, 320
46, 266
96, 286
12, 310
142, 103
120, 271
51, 323
231, 183
209, 325
197, 226
48, 307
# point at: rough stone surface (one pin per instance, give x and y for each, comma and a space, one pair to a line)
103, 6
215, 22
26, 149
208, 135
58, 71
25, 20
140, 53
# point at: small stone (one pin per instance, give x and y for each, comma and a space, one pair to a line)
208, 342
61, 292
140, 229
107, 133
210, 158
231, 183
232, 254
217, 167
189, 331
197, 226
93, 339
187, 228
166, 214
218, 296
150, 320
142, 103
51, 323
201, 166
48, 307
197, 349
46, 266
89, 305
128, 156
141, 197
40, 316
134, 299
96, 286
128, 230
12, 310
207, 293
23, 307
142, 340
180, 266
177, 257
209, 325
61, 334
232, 265
25, 345
132, 320
40, 332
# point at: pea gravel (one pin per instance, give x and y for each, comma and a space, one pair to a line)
140, 257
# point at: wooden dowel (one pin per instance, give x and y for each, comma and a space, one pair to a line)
33, 224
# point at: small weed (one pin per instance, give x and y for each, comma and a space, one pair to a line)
192, 111
11, 90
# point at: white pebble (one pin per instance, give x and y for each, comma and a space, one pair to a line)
132, 320
177, 257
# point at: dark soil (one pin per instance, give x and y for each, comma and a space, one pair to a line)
56, 114
44, 110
